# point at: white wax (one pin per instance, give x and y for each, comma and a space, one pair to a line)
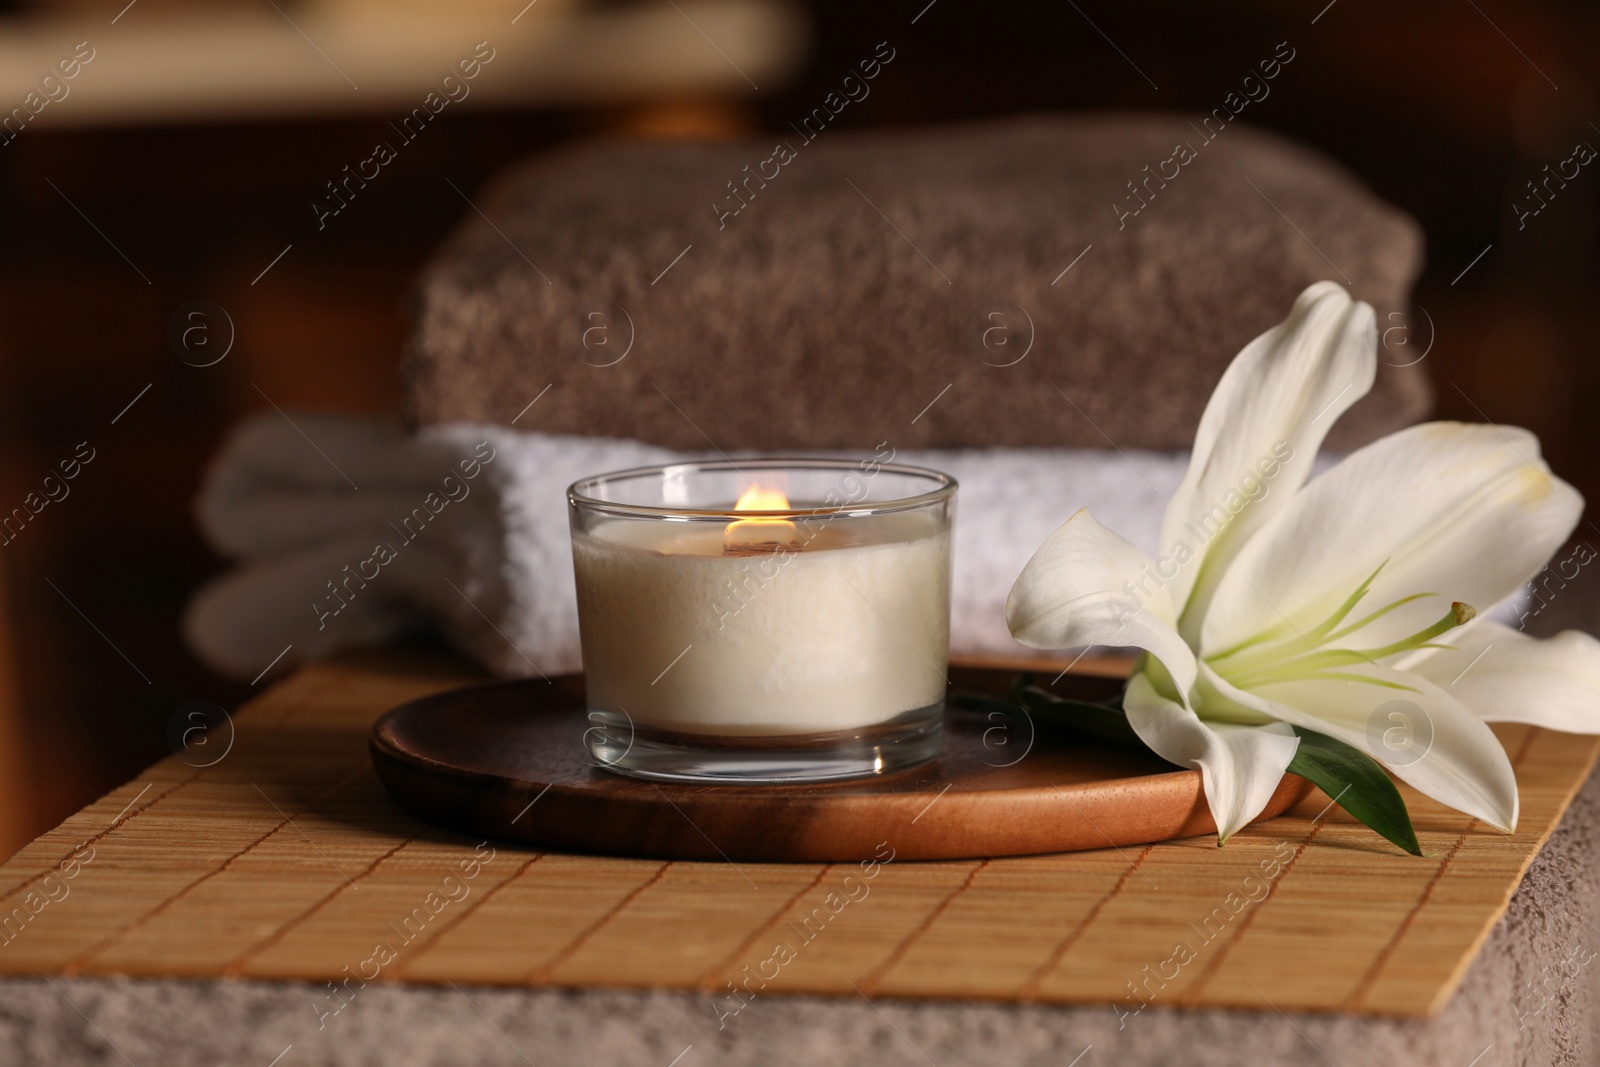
850, 630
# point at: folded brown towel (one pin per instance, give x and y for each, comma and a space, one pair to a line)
914, 286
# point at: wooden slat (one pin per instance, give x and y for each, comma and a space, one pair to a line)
287, 859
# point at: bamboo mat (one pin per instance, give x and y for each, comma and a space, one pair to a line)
286, 859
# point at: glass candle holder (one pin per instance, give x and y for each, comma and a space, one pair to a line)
764, 620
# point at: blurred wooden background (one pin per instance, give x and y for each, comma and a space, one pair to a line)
1440, 110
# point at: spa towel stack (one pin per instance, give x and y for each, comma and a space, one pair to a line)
1040, 307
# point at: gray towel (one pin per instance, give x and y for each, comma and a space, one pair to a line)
1042, 282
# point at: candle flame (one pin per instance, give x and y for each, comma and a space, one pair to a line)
759, 534
759, 498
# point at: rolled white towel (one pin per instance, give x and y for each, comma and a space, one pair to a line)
350, 531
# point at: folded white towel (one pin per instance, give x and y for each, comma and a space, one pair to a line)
350, 531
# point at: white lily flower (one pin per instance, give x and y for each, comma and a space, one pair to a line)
1340, 604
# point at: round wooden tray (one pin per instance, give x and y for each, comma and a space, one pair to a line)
508, 762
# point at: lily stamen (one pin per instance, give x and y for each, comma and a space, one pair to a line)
1459, 615
1319, 660
1323, 630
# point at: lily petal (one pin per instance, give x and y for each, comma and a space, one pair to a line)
1240, 766
1260, 434
1422, 734
1504, 675
1088, 586
1467, 512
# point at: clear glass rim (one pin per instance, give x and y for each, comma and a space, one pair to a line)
578, 493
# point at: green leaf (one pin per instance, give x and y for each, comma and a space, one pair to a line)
1106, 722
1357, 783
1102, 721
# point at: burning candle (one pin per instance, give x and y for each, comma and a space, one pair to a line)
731, 634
